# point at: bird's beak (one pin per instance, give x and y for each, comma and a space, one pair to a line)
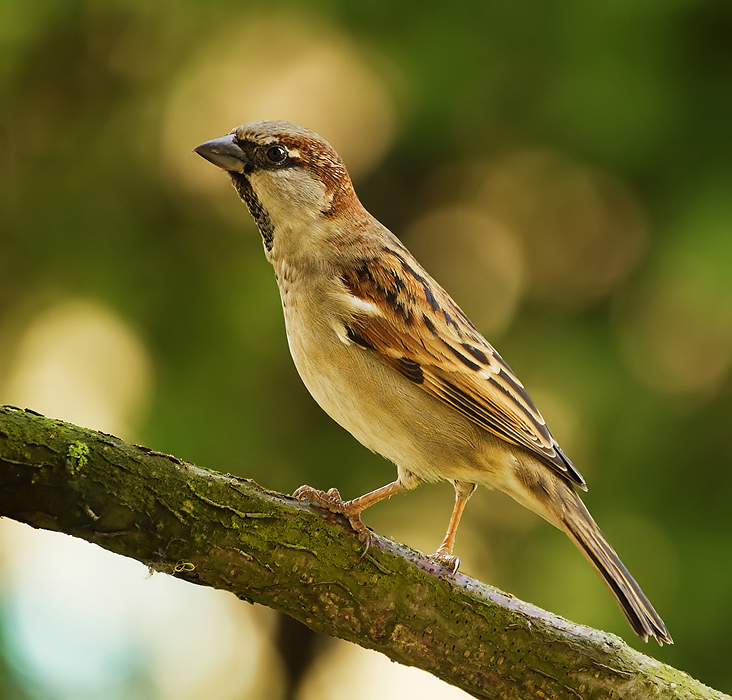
224, 152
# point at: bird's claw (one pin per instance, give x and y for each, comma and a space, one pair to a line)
331, 500
449, 561
362, 532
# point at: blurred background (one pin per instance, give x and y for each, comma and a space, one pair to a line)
564, 169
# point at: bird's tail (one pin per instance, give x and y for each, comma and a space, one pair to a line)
577, 522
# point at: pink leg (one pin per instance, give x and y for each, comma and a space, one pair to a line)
463, 491
333, 502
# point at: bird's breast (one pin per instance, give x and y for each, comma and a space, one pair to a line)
383, 410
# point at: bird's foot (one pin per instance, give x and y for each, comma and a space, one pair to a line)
331, 500
446, 559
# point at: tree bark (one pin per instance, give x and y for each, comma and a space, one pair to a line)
217, 530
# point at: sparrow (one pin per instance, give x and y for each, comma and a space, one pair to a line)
386, 352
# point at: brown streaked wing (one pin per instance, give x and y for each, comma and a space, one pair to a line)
442, 352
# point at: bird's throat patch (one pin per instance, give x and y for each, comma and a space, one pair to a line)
258, 212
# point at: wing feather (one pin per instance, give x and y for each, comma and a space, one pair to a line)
443, 353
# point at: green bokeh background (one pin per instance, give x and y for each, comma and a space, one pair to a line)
641, 92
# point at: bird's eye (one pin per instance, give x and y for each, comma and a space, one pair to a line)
277, 154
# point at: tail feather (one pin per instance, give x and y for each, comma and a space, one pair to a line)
582, 529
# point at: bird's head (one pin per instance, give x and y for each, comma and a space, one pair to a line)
291, 179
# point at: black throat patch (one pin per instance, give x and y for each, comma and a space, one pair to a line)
258, 212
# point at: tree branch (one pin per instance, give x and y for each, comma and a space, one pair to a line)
217, 530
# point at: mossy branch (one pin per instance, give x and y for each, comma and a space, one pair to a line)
229, 533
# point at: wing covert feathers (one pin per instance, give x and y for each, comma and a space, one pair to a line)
441, 351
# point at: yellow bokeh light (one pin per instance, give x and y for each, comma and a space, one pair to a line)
80, 362
677, 331
318, 77
475, 258
582, 230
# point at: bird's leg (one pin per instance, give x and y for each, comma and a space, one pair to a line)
444, 555
352, 509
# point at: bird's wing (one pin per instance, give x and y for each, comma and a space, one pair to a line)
414, 326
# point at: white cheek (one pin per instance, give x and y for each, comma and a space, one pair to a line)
289, 193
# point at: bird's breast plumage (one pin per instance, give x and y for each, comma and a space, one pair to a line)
365, 396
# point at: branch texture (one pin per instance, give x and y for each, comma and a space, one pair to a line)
220, 531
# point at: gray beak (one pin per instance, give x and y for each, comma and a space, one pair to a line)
224, 153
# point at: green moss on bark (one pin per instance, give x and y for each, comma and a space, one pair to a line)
217, 530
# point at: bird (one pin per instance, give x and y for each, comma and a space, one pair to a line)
388, 354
